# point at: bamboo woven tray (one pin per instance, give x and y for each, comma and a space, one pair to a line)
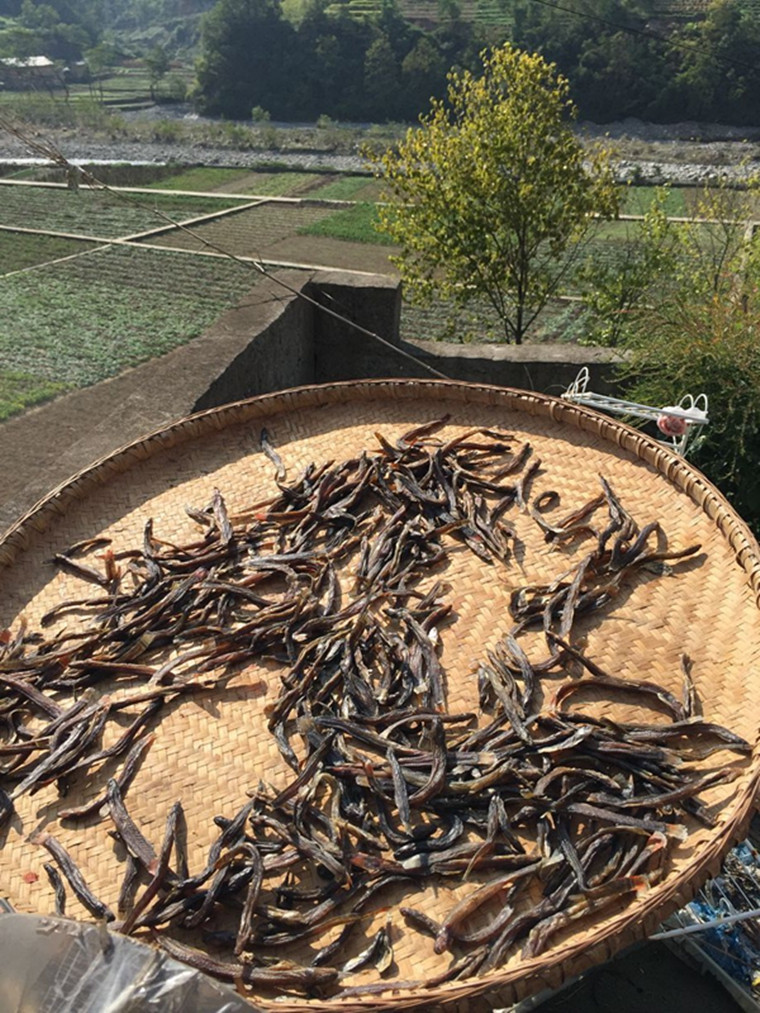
210, 749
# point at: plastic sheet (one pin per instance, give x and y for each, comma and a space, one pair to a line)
56, 965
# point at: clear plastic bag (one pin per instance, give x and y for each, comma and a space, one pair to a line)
56, 965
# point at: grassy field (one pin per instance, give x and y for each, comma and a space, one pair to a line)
18, 250
98, 212
356, 224
637, 199
90, 318
349, 187
211, 178
250, 233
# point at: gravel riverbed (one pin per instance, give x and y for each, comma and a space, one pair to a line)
682, 153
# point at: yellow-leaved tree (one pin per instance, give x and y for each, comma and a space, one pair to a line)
492, 194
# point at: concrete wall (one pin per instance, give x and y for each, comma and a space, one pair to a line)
274, 343
284, 341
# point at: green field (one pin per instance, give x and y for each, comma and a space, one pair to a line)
92, 316
348, 187
19, 250
249, 233
87, 319
637, 199
98, 212
208, 179
19, 391
356, 224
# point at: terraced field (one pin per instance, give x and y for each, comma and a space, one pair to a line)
220, 180
90, 318
248, 233
19, 250
87, 311
99, 213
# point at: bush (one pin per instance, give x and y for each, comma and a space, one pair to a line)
712, 347
699, 332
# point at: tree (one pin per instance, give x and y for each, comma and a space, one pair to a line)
157, 63
490, 196
423, 75
381, 79
246, 59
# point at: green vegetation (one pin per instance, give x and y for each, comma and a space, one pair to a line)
383, 59
249, 233
636, 200
90, 318
208, 179
98, 213
200, 178
357, 224
562, 322
348, 188
689, 322
19, 391
19, 250
493, 194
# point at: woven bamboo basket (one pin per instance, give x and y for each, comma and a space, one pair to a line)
211, 749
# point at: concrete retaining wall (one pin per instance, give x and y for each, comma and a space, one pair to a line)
294, 342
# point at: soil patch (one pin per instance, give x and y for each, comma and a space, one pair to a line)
332, 253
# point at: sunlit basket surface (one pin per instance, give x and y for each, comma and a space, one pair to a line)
211, 749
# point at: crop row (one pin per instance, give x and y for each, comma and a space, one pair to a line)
98, 213
443, 320
249, 233
90, 318
20, 250
482, 11
208, 178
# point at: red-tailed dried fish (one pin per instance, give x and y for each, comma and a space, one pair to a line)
591, 903
466, 907
123, 780
608, 683
81, 571
159, 874
379, 953
282, 977
128, 885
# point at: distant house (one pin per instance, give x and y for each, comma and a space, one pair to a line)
32, 72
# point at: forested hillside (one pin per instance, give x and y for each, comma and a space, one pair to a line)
67, 29
623, 57
382, 60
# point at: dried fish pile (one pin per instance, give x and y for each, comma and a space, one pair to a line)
551, 813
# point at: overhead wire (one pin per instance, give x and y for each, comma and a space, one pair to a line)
52, 153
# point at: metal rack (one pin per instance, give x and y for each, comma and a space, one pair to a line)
679, 424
